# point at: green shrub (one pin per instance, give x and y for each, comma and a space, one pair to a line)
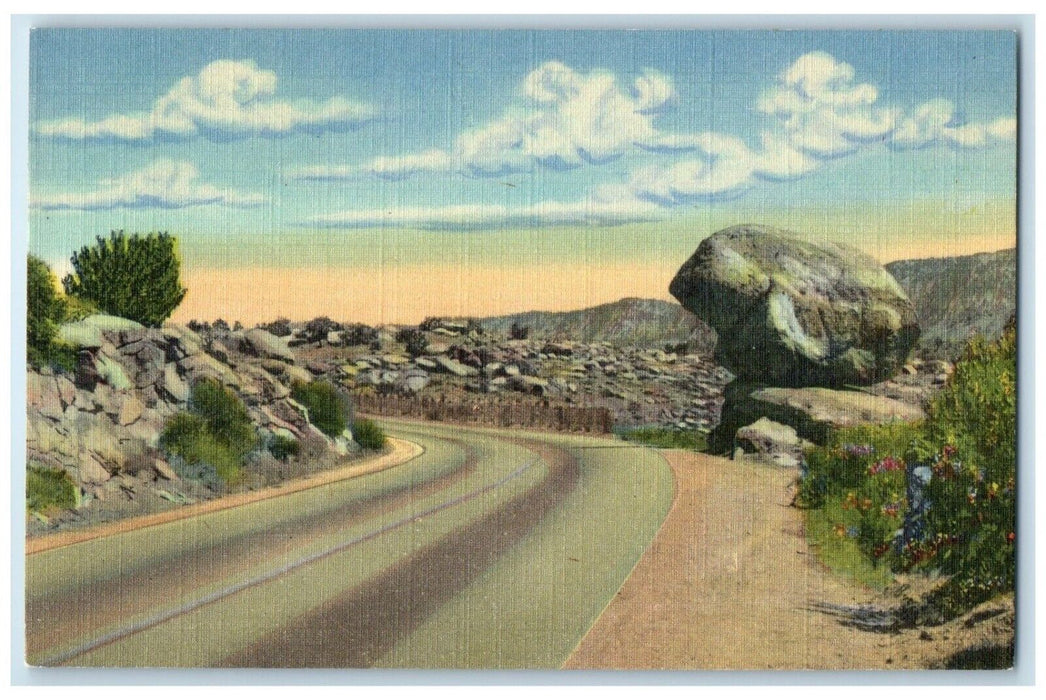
329, 410
283, 448
217, 431
368, 434
45, 310
136, 277
413, 340
47, 489
667, 438
969, 444
224, 414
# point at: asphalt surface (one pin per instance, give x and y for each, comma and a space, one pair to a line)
492, 549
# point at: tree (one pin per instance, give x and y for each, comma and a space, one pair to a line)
136, 276
45, 309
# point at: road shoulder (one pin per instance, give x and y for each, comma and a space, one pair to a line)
728, 583
401, 451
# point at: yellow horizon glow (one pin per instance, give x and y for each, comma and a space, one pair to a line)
407, 293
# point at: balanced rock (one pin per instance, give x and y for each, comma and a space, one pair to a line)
791, 313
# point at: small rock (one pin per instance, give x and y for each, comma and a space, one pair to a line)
130, 410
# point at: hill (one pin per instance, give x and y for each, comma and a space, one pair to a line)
953, 297
630, 321
957, 297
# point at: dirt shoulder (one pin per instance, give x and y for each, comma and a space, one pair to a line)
400, 451
729, 582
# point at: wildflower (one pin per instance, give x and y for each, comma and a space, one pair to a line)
840, 530
851, 531
1011, 537
887, 464
948, 451
858, 450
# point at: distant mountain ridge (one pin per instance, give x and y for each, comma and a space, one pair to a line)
629, 321
957, 297
953, 297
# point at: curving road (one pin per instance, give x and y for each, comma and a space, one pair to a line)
492, 549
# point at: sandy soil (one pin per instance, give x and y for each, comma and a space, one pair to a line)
730, 582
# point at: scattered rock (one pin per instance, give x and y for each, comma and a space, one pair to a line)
771, 442
456, 368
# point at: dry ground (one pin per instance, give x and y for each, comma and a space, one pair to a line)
729, 582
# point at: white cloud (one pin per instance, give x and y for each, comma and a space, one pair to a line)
816, 111
227, 99
489, 216
566, 119
163, 184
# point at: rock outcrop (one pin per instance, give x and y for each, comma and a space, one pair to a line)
812, 411
790, 313
104, 420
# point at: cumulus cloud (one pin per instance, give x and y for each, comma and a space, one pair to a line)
815, 111
818, 112
565, 119
226, 100
489, 216
163, 184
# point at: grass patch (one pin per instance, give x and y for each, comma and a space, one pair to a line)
841, 553
48, 489
666, 438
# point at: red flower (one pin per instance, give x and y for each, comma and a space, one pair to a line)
1011, 537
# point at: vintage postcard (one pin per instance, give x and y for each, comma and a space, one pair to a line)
521, 349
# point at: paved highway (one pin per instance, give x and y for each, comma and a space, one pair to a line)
492, 549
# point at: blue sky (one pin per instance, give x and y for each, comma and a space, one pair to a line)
255, 144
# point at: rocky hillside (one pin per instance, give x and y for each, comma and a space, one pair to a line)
627, 322
101, 423
957, 297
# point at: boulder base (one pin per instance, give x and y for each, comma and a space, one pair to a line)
812, 411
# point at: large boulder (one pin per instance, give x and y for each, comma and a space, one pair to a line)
812, 411
791, 313
264, 344
89, 332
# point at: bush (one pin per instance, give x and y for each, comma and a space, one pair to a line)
283, 448
368, 434
136, 277
47, 489
317, 329
45, 310
518, 332
329, 410
414, 341
359, 334
280, 328
216, 430
971, 447
968, 442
